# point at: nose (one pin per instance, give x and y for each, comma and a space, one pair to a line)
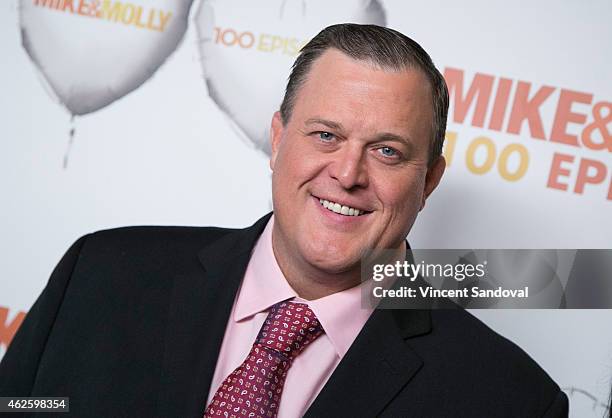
349, 167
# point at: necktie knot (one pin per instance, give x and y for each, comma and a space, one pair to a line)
289, 328
254, 389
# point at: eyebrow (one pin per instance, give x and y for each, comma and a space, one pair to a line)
330, 124
385, 136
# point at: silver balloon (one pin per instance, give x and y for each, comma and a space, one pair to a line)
247, 49
91, 53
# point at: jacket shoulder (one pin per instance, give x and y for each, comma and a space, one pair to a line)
476, 341
152, 239
467, 351
199, 234
139, 251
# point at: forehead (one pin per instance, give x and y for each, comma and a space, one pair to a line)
358, 91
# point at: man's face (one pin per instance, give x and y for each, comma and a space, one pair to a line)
358, 137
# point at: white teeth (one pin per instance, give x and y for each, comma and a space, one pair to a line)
338, 208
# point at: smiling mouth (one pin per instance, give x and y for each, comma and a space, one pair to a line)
341, 209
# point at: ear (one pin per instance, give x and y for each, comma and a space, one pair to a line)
433, 177
276, 133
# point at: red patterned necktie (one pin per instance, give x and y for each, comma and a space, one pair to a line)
254, 389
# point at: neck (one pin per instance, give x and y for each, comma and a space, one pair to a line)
310, 282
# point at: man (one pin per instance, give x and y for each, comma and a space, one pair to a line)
266, 321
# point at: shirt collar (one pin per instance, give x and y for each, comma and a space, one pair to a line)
264, 285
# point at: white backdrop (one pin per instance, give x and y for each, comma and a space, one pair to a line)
167, 153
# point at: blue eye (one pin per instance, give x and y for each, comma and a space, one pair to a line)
388, 151
326, 136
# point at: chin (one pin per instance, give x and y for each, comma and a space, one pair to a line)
335, 268
333, 260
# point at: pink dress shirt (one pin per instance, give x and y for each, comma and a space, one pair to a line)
340, 314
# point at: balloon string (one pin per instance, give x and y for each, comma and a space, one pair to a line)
282, 9
70, 142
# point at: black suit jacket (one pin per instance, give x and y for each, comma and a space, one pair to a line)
132, 320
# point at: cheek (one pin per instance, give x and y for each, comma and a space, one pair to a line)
403, 194
294, 168
298, 161
401, 197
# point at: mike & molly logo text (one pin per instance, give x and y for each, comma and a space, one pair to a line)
514, 107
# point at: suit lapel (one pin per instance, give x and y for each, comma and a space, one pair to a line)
199, 308
376, 367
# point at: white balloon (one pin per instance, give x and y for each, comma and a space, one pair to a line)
93, 52
247, 49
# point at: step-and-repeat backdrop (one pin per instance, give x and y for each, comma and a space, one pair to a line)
157, 112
